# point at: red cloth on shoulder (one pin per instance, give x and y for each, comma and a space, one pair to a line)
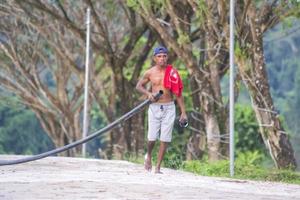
172, 81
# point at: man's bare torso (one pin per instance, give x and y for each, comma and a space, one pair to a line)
156, 77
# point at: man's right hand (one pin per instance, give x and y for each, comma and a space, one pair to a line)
151, 96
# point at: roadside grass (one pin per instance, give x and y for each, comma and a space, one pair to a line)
249, 172
248, 166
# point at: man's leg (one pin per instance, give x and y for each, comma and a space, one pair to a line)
153, 131
166, 132
162, 149
148, 156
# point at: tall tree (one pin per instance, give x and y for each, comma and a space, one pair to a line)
252, 22
35, 68
121, 43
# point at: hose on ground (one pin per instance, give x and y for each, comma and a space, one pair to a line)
83, 140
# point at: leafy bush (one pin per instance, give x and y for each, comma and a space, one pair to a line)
248, 165
249, 158
203, 167
247, 136
176, 152
21, 132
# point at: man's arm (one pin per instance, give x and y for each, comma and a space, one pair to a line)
180, 102
140, 86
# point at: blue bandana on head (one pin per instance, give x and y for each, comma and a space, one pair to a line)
160, 49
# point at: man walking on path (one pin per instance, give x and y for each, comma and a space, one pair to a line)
161, 114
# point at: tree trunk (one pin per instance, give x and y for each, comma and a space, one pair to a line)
217, 58
254, 74
138, 133
197, 141
212, 129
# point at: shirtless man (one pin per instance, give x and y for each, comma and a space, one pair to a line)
161, 114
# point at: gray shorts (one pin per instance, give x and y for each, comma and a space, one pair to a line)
161, 117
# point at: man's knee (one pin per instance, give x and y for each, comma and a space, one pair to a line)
165, 144
151, 142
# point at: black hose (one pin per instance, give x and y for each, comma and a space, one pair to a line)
83, 140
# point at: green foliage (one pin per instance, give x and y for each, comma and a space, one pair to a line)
247, 136
135, 4
131, 3
239, 51
20, 132
186, 82
183, 38
220, 168
175, 154
131, 63
248, 165
99, 62
249, 158
97, 122
294, 8
147, 5
201, 11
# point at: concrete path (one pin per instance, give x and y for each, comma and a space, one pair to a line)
77, 178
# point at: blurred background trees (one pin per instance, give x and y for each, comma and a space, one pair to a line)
42, 66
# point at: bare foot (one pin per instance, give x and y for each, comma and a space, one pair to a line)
147, 163
157, 171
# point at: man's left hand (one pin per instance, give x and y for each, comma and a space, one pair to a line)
183, 117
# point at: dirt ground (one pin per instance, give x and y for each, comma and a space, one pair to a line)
77, 178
